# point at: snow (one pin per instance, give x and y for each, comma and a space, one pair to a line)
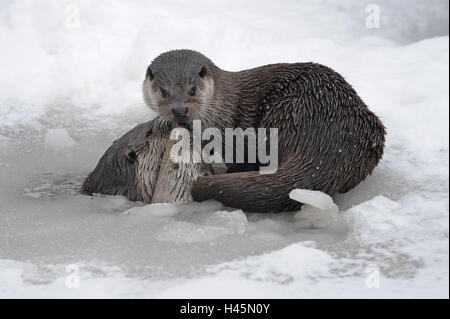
70, 86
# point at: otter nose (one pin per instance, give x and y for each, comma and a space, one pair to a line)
180, 111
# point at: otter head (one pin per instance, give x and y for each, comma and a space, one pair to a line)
178, 84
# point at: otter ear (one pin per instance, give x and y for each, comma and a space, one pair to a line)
203, 72
149, 74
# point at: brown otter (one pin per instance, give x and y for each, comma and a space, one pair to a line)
138, 166
328, 139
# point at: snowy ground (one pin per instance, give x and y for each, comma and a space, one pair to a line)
68, 87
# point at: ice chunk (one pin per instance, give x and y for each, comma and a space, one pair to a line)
378, 218
318, 210
58, 138
235, 220
316, 199
157, 210
168, 210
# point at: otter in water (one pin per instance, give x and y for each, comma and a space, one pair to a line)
328, 138
138, 166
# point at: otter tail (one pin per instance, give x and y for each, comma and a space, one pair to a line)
265, 193
262, 193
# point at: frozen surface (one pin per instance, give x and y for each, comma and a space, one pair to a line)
316, 199
318, 208
58, 138
69, 87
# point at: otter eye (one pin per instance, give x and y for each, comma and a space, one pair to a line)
164, 93
192, 91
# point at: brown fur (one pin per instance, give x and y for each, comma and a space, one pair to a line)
328, 139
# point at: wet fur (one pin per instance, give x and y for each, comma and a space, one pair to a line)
328, 138
138, 167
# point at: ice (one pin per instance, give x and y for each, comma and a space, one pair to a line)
318, 210
197, 222
234, 220
169, 210
315, 199
159, 210
58, 138
67, 90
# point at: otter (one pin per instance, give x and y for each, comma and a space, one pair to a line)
328, 139
138, 166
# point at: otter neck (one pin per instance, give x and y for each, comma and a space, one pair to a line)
253, 85
237, 98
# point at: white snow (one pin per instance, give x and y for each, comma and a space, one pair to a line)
70, 84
